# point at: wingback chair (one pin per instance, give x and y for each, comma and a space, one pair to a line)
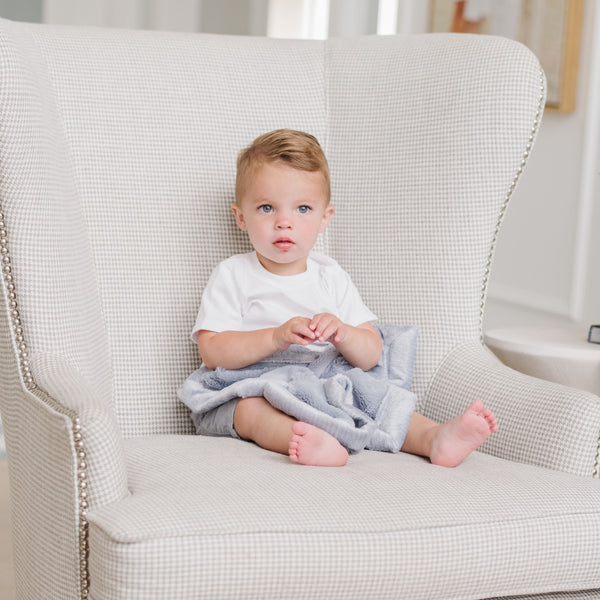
117, 166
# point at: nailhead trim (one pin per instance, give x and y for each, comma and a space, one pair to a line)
27, 377
511, 189
83, 506
13, 306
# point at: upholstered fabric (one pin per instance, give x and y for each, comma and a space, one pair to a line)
45, 223
104, 459
419, 163
153, 131
43, 492
117, 160
540, 423
149, 137
243, 518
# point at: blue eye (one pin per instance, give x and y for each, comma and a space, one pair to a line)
265, 208
304, 209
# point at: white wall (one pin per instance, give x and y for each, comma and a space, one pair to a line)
547, 257
547, 265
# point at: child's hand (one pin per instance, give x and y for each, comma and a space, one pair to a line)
294, 331
328, 327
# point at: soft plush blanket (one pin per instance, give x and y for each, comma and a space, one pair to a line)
362, 409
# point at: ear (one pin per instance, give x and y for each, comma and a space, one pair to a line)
239, 217
327, 215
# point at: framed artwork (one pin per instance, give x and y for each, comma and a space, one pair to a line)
550, 28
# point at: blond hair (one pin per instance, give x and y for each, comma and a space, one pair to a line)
295, 149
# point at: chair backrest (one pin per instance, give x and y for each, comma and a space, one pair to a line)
117, 167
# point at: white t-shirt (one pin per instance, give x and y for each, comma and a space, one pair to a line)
241, 295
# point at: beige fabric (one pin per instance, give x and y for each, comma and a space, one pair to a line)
103, 452
540, 423
242, 518
42, 485
117, 158
419, 199
152, 132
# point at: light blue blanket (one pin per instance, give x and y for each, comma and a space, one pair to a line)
362, 409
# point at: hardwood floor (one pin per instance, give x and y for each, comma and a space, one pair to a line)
7, 586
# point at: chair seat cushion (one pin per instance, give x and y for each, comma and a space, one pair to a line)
221, 518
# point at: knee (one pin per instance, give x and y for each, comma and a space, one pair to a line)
246, 414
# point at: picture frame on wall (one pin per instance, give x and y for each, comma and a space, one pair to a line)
550, 28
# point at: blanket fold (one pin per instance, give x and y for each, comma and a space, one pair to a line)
362, 409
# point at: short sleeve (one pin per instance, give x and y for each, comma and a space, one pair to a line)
352, 309
220, 308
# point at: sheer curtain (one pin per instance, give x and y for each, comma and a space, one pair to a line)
319, 19
313, 19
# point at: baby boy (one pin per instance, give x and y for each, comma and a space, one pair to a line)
282, 294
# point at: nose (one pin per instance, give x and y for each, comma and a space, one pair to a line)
283, 221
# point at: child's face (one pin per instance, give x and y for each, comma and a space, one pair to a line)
283, 210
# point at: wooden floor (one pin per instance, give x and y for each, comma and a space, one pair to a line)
7, 586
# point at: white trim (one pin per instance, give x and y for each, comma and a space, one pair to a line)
387, 17
315, 19
529, 299
589, 173
300, 19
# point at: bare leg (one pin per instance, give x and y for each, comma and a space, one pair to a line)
450, 443
257, 420
420, 435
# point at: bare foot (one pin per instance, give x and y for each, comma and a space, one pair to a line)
313, 446
456, 439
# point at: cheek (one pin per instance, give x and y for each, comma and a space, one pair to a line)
256, 230
312, 229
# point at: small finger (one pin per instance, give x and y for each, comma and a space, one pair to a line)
306, 333
303, 330
309, 334
327, 333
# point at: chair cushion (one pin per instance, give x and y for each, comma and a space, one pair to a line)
210, 517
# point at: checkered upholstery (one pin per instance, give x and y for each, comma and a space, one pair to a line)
417, 531
117, 160
528, 411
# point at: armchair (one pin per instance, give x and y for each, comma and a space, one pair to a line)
117, 164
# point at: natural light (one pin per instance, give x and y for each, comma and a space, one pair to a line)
309, 19
304, 19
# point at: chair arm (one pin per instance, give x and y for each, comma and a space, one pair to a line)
540, 423
102, 443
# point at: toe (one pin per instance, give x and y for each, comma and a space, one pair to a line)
476, 406
299, 428
490, 417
